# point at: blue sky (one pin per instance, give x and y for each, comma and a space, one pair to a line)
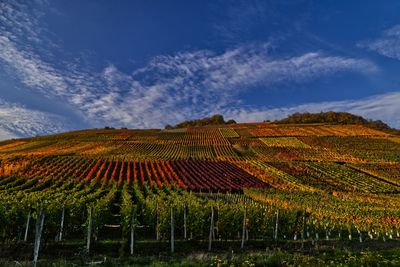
142, 64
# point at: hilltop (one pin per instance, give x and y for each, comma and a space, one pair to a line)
216, 119
337, 118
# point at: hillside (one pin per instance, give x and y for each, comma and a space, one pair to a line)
338, 118
244, 148
345, 177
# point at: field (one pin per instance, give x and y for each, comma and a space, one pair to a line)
242, 194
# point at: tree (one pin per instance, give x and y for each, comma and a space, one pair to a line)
337, 118
216, 119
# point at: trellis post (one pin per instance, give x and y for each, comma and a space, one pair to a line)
38, 235
276, 227
132, 231
172, 231
89, 233
303, 232
28, 220
184, 223
244, 226
61, 224
211, 229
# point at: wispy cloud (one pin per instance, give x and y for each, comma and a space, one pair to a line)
242, 17
24, 48
168, 89
19, 121
387, 45
4, 135
379, 107
192, 82
32, 71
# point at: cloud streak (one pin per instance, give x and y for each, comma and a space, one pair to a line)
387, 45
192, 82
19, 121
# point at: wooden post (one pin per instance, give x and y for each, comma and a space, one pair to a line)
28, 220
303, 232
157, 215
38, 235
211, 229
244, 227
326, 233
276, 227
172, 231
184, 223
61, 224
132, 231
89, 233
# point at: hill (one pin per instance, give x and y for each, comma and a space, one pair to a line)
338, 118
326, 179
220, 145
216, 119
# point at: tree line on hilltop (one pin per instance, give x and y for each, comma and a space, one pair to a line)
216, 119
329, 117
336, 118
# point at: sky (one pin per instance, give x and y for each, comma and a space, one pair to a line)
79, 64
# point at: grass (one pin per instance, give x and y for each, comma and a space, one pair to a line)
276, 257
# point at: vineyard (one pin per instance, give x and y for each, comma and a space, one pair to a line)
211, 188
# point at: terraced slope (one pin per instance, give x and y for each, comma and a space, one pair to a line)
330, 178
159, 156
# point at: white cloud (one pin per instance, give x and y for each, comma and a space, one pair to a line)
387, 45
190, 82
379, 107
170, 88
32, 71
194, 83
4, 135
19, 121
